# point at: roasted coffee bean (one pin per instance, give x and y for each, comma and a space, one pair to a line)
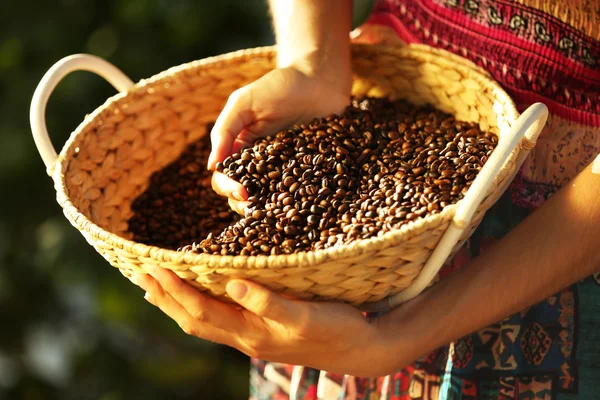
288, 180
328, 182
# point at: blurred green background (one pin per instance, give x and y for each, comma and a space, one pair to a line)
71, 327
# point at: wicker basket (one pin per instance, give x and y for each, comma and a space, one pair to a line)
109, 158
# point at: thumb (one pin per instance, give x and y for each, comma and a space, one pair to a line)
236, 115
263, 302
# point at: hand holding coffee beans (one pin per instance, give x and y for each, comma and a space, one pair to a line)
335, 180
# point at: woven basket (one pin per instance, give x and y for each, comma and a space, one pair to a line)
109, 158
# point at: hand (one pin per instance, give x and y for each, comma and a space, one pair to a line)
278, 100
329, 336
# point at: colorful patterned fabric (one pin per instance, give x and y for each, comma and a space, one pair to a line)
538, 50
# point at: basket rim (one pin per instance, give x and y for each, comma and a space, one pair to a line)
175, 259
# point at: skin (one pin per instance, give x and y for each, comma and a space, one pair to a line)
519, 271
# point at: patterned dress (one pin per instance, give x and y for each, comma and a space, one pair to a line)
545, 51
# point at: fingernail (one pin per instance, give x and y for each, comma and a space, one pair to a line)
148, 298
237, 290
237, 196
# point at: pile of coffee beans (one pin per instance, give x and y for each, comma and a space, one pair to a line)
179, 206
335, 180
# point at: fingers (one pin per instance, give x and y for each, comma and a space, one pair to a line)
199, 307
227, 187
236, 115
167, 304
238, 206
264, 303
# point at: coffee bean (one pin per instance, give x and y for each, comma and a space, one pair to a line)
290, 230
289, 243
418, 171
312, 219
289, 181
258, 214
447, 173
274, 175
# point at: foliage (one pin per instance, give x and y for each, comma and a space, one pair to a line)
71, 327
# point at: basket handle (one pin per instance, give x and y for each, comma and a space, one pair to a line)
37, 112
524, 132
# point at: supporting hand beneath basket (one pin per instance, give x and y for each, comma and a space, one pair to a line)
329, 336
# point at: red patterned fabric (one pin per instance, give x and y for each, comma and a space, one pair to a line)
534, 56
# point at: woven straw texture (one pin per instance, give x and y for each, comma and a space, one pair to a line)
109, 158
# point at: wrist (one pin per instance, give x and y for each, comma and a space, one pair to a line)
333, 70
313, 37
407, 333
391, 347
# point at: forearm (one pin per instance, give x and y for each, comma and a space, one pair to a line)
553, 248
313, 36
